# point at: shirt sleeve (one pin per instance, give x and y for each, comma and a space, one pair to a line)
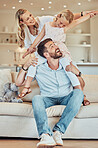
73, 78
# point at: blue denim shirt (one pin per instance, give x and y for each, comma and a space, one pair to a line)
53, 83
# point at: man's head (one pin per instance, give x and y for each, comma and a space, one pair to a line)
48, 49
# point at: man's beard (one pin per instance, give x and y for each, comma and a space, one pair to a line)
57, 54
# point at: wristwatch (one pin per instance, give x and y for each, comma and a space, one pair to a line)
79, 75
24, 68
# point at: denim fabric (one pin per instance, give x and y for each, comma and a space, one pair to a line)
72, 102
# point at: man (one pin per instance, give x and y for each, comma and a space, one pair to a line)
56, 89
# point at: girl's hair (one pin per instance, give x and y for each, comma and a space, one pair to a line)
67, 14
21, 32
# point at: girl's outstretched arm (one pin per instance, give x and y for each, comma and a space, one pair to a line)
32, 48
82, 13
77, 22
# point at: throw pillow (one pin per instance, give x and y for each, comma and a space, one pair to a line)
5, 77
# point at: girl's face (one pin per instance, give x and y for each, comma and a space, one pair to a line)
28, 18
61, 22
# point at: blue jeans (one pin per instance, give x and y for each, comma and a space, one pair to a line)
73, 102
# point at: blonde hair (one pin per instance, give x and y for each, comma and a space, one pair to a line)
21, 26
21, 33
67, 14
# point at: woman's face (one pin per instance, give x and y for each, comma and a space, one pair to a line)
61, 22
28, 18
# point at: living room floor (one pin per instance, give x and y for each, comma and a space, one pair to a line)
31, 143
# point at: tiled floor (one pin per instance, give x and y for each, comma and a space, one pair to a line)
31, 143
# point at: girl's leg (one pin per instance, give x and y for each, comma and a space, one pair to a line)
82, 83
26, 90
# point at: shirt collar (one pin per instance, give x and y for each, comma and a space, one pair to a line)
60, 66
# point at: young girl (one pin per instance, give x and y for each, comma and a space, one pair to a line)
56, 30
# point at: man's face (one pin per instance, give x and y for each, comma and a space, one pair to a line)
53, 50
28, 18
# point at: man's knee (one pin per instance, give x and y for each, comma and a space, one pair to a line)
79, 95
37, 101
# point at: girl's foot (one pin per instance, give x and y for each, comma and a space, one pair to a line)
85, 101
24, 92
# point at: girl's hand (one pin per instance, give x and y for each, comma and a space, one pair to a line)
91, 15
95, 12
29, 51
87, 12
31, 61
90, 12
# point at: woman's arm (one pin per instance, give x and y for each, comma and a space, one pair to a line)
31, 49
77, 22
20, 81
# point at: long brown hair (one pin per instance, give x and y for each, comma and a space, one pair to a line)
21, 26
21, 33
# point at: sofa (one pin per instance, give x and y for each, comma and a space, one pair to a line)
17, 119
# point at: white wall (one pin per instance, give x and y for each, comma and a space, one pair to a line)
94, 39
7, 18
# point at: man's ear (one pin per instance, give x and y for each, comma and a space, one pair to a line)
46, 54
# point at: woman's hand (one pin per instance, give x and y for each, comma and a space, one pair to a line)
31, 61
29, 51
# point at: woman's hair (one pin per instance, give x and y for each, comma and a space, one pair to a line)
67, 14
21, 32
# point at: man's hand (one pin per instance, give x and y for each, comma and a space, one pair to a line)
72, 69
68, 68
29, 51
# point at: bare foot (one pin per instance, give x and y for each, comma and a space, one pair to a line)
85, 101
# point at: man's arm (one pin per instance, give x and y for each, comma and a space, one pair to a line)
20, 81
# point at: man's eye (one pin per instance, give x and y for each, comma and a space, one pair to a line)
30, 14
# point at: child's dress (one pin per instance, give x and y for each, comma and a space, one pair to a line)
58, 36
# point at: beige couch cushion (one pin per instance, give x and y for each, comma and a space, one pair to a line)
25, 109
5, 77
91, 87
